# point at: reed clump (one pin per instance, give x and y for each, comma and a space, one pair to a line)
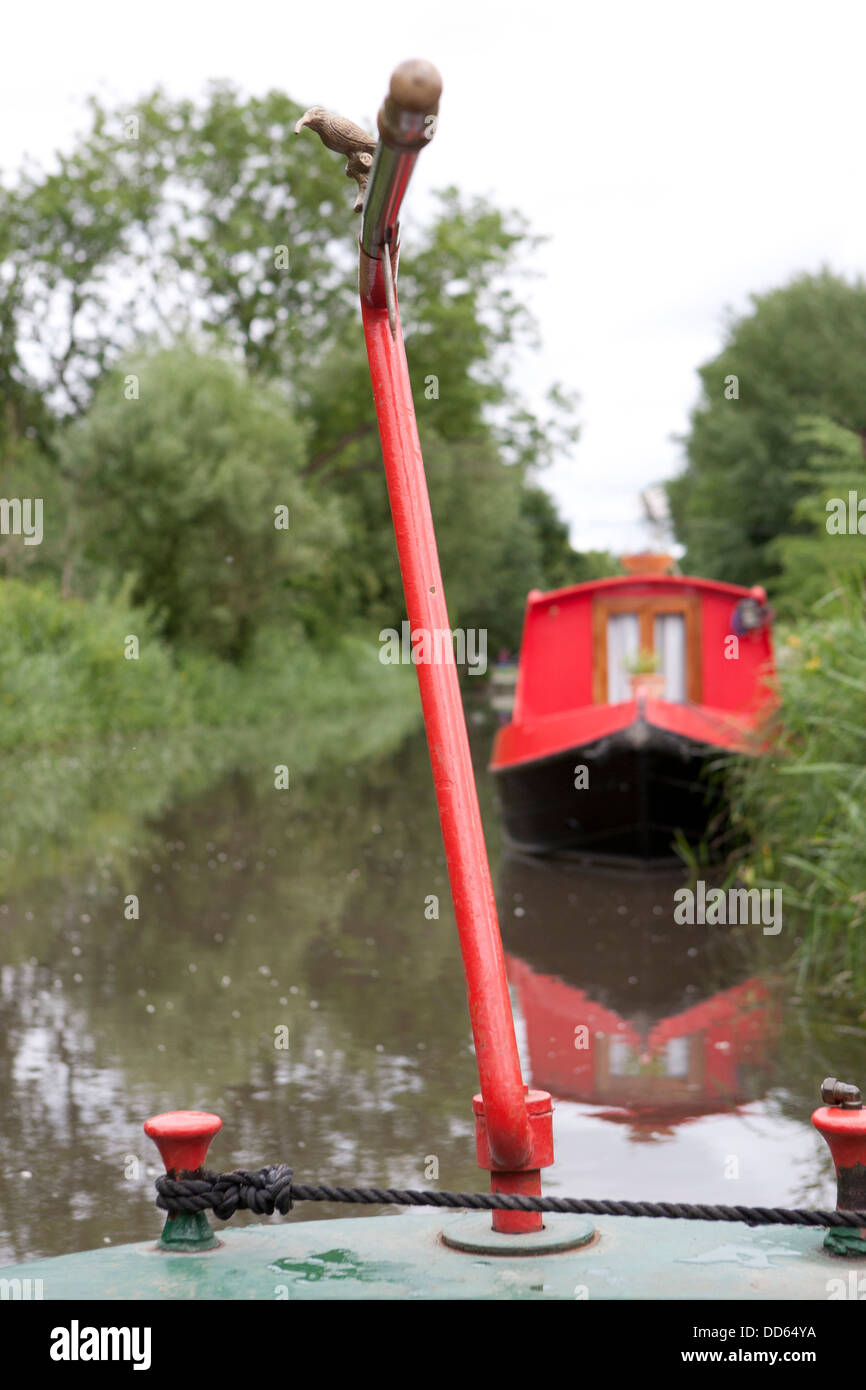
802, 807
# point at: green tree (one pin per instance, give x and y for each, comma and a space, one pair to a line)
216, 216
178, 472
214, 220
560, 565
176, 214
825, 555
800, 351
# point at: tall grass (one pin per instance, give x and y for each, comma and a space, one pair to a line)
803, 806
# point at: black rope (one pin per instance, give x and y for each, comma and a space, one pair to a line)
272, 1189
266, 1190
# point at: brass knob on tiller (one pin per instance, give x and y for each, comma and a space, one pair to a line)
407, 121
411, 105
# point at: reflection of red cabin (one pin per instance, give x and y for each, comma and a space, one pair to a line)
645, 738
688, 1064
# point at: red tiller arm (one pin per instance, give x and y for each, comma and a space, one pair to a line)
489, 1005
405, 125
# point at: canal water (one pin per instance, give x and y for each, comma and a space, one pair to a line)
289, 959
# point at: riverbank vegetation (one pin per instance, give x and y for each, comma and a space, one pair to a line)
803, 806
186, 393
93, 750
775, 493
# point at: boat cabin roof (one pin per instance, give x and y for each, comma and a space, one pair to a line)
638, 581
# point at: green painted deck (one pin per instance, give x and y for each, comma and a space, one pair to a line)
402, 1256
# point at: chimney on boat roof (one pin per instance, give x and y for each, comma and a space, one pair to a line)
648, 563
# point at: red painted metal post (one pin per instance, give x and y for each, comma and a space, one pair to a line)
514, 1131
510, 1145
513, 1127
489, 1005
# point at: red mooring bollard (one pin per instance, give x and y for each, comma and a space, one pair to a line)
183, 1138
841, 1121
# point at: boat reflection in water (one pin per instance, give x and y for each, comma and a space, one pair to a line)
623, 1007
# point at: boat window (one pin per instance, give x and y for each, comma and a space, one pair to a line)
625, 625
678, 1056
621, 1057
623, 643
669, 633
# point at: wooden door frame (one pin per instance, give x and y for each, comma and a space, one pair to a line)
647, 607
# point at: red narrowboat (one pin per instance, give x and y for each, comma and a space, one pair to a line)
626, 687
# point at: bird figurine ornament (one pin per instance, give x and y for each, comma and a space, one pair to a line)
344, 137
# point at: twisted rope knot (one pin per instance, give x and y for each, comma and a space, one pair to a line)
264, 1191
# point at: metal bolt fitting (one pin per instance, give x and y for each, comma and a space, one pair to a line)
841, 1093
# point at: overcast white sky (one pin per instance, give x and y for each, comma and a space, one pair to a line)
677, 155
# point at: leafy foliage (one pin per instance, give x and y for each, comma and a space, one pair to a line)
63, 675
799, 352
169, 216
820, 558
180, 489
212, 223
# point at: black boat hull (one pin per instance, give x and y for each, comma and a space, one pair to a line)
627, 796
